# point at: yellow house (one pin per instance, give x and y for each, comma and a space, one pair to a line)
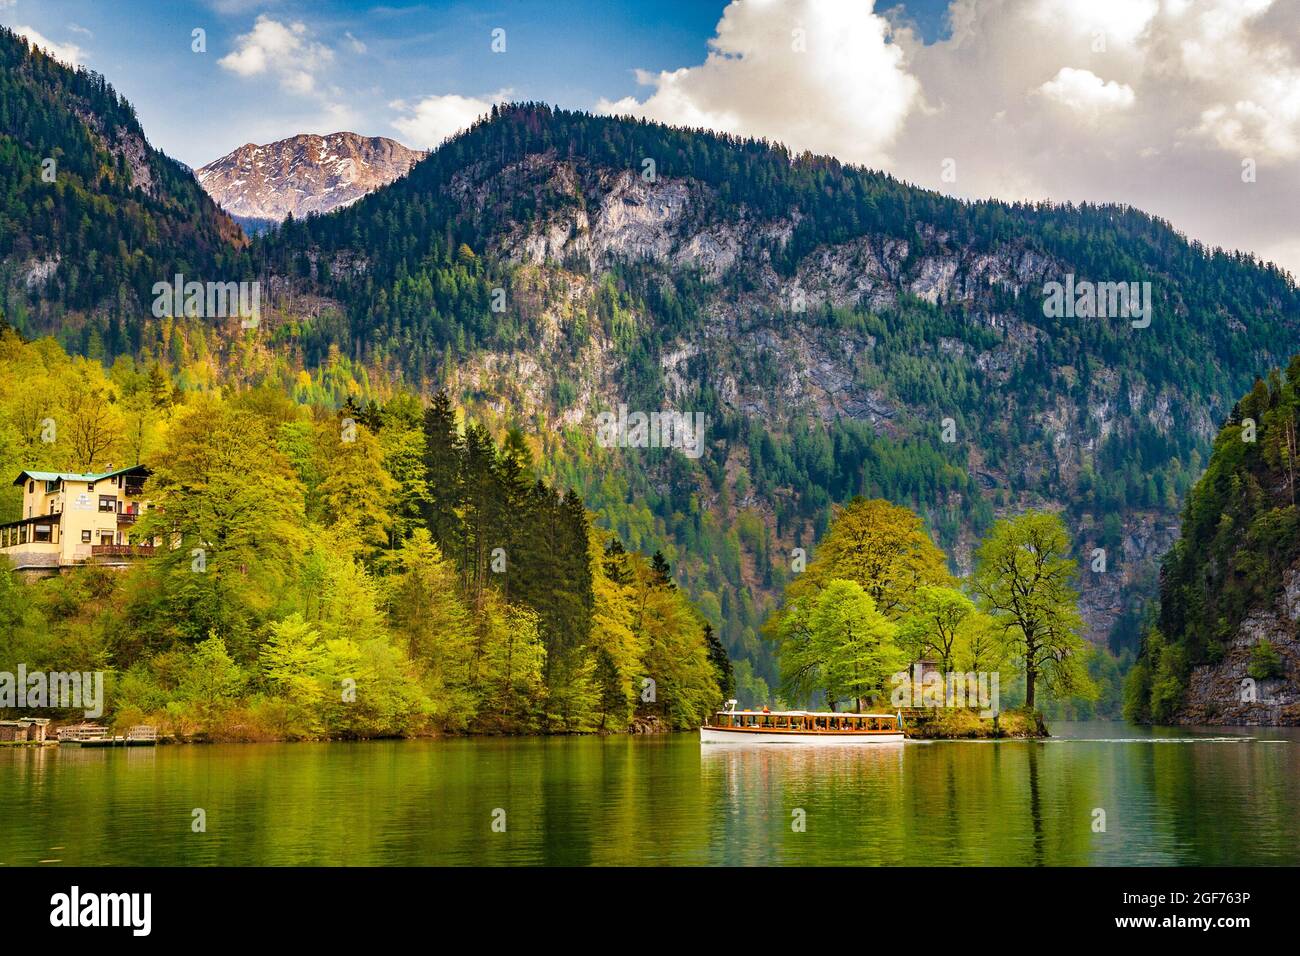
70, 519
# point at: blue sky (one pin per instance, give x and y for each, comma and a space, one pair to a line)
1189, 109
196, 110
566, 52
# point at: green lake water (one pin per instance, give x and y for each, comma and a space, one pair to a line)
1226, 796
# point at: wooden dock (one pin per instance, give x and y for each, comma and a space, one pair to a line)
93, 735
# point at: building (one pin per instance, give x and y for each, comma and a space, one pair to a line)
70, 519
29, 729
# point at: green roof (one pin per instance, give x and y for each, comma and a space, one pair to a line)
70, 475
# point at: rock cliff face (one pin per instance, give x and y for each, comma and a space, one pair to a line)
830, 321
304, 174
824, 373
1224, 693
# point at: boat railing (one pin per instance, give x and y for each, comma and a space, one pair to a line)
83, 732
810, 720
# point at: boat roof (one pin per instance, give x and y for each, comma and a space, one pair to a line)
803, 713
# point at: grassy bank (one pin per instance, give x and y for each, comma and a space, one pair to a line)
963, 723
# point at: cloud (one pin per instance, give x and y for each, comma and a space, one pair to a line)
815, 75
1154, 103
1085, 92
427, 122
284, 50
69, 53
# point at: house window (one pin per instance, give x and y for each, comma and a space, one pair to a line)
106, 537
42, 532
85, 536
107, 503
31, 487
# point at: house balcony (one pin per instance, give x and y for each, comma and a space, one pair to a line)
121, 550
39, 530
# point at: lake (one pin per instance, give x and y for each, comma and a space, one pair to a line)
1221, 796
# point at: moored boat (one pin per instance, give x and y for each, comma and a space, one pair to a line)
800, 727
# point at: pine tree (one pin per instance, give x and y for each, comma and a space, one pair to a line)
443, 449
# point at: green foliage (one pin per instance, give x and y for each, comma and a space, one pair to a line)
1023, 579
1027, 613
1241, 528
301, 590
1265, 662
838, 644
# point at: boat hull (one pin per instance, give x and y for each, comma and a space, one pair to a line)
808, 738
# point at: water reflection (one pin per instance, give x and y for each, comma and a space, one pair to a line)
1221, 798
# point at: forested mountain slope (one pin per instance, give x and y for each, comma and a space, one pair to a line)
91, 216
841, 332
826, 319
1224, 648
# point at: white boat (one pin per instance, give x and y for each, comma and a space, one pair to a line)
806, 727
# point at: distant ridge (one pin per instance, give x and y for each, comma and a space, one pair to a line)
304, 174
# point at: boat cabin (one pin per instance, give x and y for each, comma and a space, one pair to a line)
803, 721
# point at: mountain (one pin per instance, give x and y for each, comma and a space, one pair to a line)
842, 331
1225, 648
304, 174
91, 215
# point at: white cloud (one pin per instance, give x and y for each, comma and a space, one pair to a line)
1085, 92
284, 50
1155, 103
427, 122
69, 53
812, 74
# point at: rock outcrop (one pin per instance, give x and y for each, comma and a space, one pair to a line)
1224, 693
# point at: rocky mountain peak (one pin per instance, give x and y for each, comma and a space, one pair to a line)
305, 173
